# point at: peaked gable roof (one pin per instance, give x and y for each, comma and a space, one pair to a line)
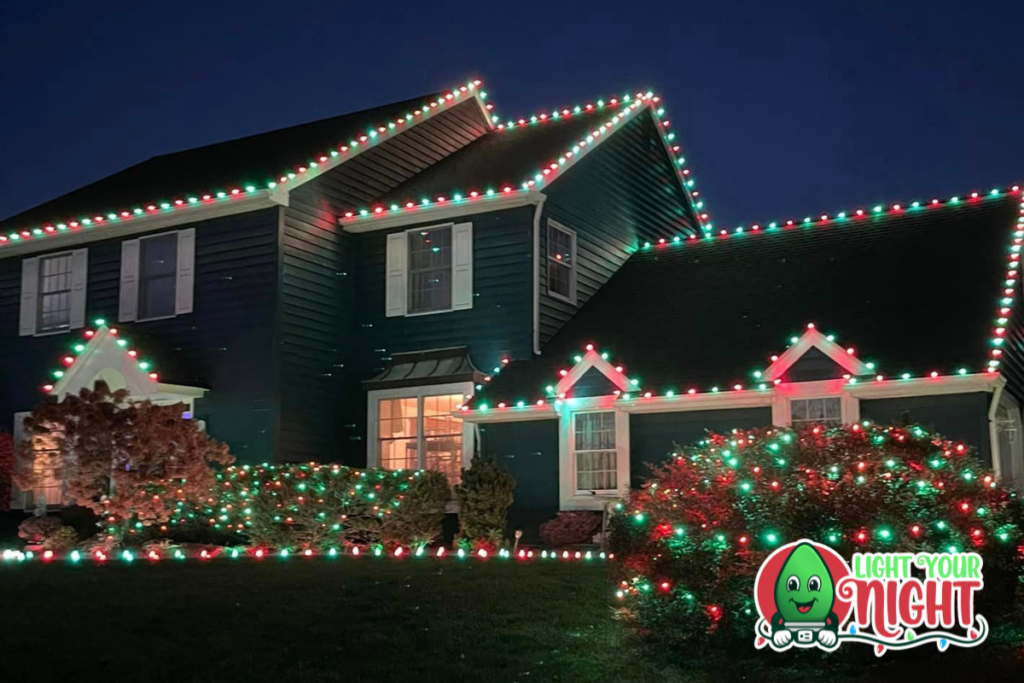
911, 289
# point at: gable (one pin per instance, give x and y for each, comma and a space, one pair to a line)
813, 365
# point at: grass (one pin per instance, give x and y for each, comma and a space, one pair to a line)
374, 620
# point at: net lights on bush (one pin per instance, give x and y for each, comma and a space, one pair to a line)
628, 105
730, 499
343, 150
71, 357
400, 553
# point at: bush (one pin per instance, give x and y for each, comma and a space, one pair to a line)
485, 495
711, 514
48, 532
570, 528
308, 505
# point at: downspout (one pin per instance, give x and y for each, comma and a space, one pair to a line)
993, 428
537, 210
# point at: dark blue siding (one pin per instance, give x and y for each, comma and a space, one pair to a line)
620, 195
498, 325
529, 451
961, 417
653, 436
223, 345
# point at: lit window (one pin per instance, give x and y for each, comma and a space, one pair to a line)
158, 267
561, 264
594, 449
47, 471
421, 432
430, 270
821, 411
54, 293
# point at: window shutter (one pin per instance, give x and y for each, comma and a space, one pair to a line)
20, 500
129, 304
462, 266
395, 288
186, 271
29, 289
79, 279
572, 272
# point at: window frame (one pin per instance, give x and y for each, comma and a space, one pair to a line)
174, 276
785, 394
419, 392
576, 451
40, 331
450, 227
809, 421
570, 496
550, 261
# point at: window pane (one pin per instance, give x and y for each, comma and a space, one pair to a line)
158, 265
444, 454
397, 418
54, 292
560, 262
594, 440
430, 270
823, 411
398, 454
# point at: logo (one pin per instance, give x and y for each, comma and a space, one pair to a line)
808, 596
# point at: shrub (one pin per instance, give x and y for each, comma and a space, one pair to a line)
48, 532
485, 495
307, 505
704, 522
570, 528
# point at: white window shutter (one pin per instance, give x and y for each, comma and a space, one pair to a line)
572, 272
129, 303
183, 291
29, 291
79, 280
462, 266
395, 287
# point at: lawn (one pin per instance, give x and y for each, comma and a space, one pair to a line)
363, 620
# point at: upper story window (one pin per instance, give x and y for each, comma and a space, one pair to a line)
595, 451
418, 430
823, 411
429, 270
53, 292
157, 275
561, 262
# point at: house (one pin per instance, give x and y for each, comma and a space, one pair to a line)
335, 290
888, 313
412, 284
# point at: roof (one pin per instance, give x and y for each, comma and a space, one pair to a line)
912, 288
256, 160
427, 367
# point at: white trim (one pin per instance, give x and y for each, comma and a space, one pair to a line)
157, 220
184, 276
374, 397
437, 212
569, 497
591, 359
571, 299
1004, 401
785, 393
814, 339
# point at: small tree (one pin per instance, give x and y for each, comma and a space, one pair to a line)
6, 470
126, 461
485, 495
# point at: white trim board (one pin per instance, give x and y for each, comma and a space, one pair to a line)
812, 338
591, 359
440, 213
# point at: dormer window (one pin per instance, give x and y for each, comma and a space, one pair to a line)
827, 411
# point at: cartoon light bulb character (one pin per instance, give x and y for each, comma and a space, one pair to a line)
804, 596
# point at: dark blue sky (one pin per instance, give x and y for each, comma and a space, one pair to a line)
783, 108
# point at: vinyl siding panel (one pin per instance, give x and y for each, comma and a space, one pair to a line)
961, 417
617, 197
212, 347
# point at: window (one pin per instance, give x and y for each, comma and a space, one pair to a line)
822, 411
158, 273
421, 432
430, 270
595, 451
54, 293
561, 262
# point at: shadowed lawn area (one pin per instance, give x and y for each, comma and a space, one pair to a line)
375, 620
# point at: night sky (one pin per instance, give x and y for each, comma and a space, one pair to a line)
783, 108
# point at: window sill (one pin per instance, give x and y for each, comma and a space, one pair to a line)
423, 313
153, 319
50, 333
559, 297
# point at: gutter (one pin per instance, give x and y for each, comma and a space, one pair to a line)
537, 211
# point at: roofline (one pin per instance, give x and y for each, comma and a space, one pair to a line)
247, 198
456, 208
627, 106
